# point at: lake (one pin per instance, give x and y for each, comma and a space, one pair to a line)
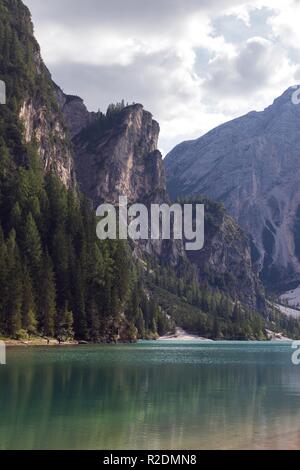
151, 396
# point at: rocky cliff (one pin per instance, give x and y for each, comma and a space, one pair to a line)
116, 154
47, 130
31, 92
76, 115
252, 165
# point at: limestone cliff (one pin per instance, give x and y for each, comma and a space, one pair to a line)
31, 91
47, 130
76, 115
116, 154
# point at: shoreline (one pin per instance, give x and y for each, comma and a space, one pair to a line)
36, 342
179, 335
182, 335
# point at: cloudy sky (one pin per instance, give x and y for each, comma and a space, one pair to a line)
193, 63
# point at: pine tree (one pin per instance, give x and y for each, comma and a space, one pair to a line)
216, 328
3, 281
236, 314
94, 323
16, 216
65, 324
122, 273
14, 287
32, 245
78, 303
47, 300
29, 321
60, 256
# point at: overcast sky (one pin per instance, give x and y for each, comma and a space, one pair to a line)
193, 63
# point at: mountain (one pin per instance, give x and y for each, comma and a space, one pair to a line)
251, 164
58, 161
116, 154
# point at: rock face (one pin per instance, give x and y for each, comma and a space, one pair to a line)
35, 94
251, 164
48, 131
116, 155
76, 115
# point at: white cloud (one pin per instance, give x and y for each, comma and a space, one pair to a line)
257, 65
193, 64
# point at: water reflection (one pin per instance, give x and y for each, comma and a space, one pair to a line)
150, 397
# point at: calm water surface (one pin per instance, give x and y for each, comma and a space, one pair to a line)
153, 395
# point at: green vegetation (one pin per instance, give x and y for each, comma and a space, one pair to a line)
199, 308
20, 60
56, 278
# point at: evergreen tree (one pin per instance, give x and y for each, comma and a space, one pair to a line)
65, 325
32, 245
47, 300
216, 328
29, 313
14, 287
3, 282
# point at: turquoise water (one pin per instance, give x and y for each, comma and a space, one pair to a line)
154, 395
